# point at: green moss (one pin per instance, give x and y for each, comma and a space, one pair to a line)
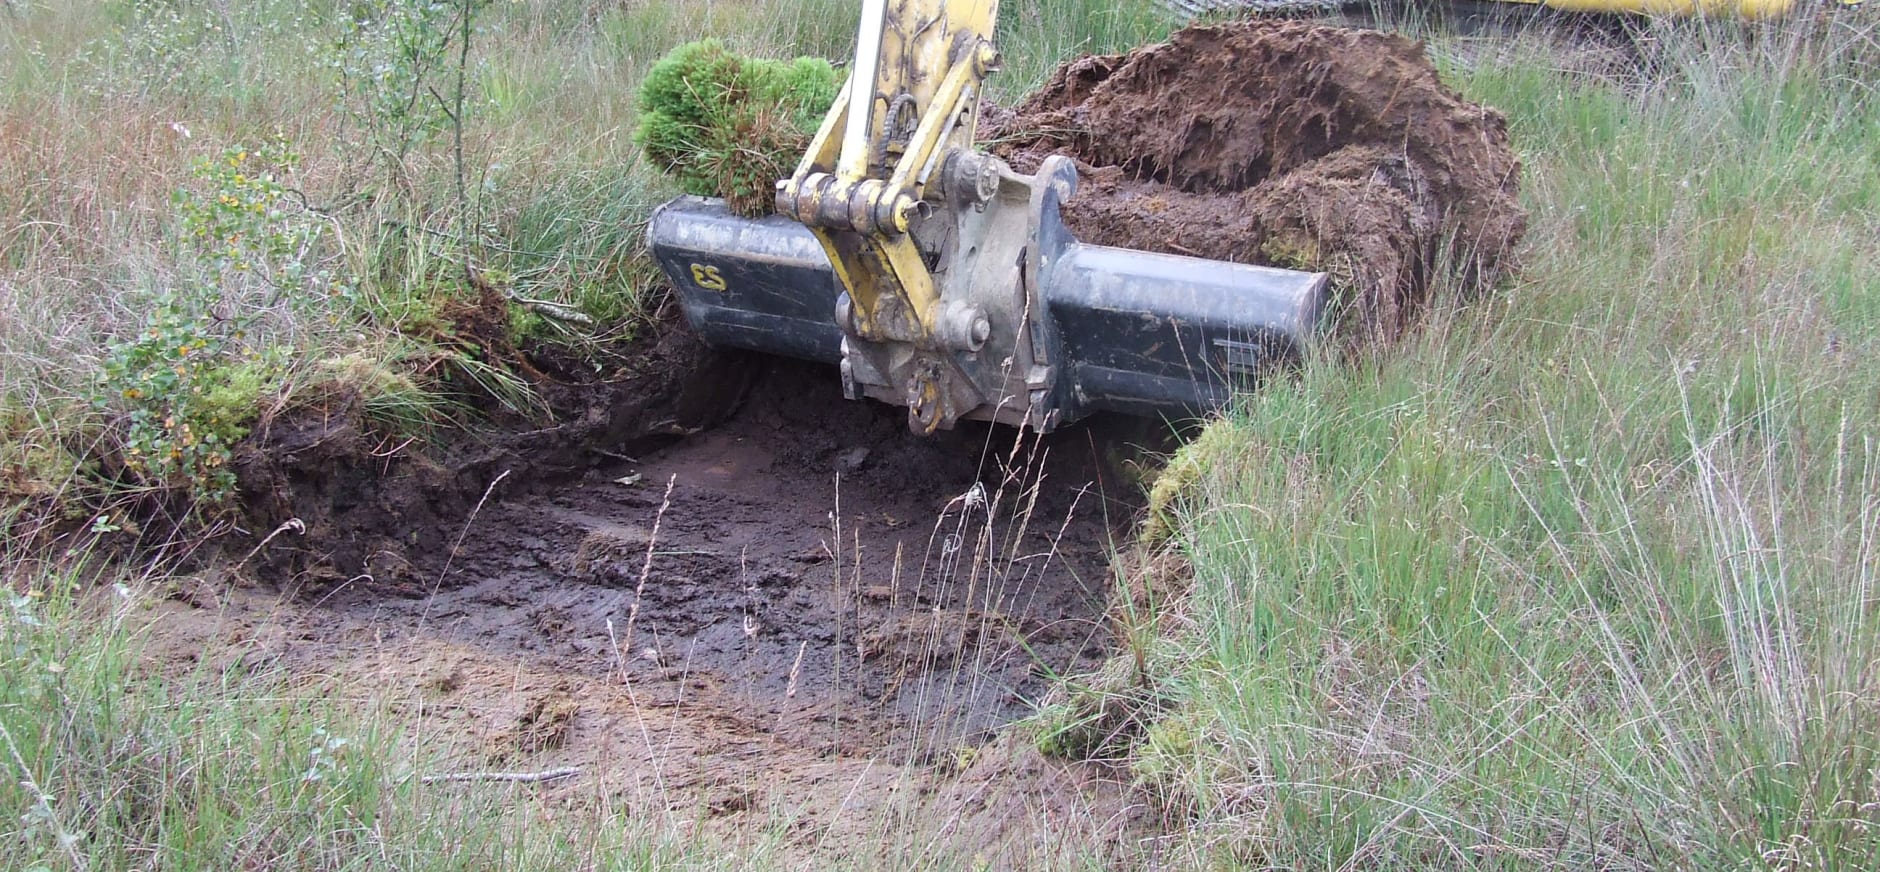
1098, 715
1178, 478
726, 125
808, 85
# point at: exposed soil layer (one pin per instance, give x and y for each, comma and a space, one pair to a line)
1290, 144
367, 500
802, 608
815, 567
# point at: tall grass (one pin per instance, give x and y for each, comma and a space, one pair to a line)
1584, 576
238, 766
1034, 37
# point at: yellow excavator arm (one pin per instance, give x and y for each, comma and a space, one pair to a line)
913, 95
939, 279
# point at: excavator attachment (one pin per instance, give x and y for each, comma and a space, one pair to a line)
940, 279
1067, 328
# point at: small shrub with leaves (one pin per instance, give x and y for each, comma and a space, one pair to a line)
186, 387
243, 220
396, 61
185, 390
727, 125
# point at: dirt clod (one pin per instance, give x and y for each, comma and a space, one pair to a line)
542, 725
1289, 144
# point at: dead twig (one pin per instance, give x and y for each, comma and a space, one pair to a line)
646, 568
450, 558
292, 525
511, 777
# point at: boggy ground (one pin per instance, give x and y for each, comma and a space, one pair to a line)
803, 613
846, 586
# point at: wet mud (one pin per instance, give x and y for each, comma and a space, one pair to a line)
802, 610
807, 564
1290, 144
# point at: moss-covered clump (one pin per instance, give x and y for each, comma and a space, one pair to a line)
727, 125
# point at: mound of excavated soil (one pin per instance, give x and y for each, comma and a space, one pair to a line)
1288, 144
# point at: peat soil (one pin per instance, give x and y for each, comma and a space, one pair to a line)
1290, 144
808, 564
804, 614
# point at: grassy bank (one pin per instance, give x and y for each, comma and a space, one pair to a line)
1584, 576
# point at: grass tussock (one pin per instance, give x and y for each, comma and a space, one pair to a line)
1584, 576
725, 125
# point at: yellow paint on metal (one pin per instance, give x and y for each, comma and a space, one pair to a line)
927, 137
918, 57
822, 151
905, 46
707, 277
904, 259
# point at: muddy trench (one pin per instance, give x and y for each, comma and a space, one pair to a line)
815, 569
801, 612
807, 565
763, 601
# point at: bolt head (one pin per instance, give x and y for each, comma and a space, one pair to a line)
903, 214
986, 58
